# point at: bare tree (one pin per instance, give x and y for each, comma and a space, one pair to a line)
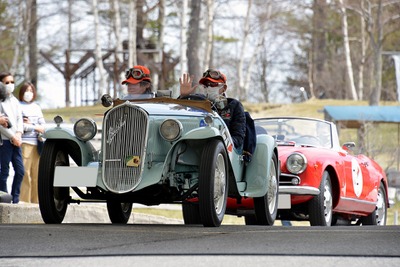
183, 36
210, 33
132, 34
377, 17
193, 39
118, 45
246, 32
98, 54
346, 45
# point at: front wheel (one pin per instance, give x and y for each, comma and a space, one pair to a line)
266, 207
53, 201
320, 207
118, 212
191, 213
213, 184
378, 216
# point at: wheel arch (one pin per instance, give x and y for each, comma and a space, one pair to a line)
335, 184
81, 153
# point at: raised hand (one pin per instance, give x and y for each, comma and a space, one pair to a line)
186, 84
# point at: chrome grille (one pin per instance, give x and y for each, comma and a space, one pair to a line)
124, 147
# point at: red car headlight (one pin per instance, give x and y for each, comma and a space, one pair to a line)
296, 163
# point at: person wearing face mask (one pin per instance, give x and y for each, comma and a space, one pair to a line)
34, 125
10, 150
213, 86
138, 83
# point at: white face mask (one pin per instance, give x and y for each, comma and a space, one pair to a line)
212, 93
10, 88
28, 96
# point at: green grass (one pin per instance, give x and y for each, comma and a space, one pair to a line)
382, 139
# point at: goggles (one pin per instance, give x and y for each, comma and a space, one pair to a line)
213, 74
136, 74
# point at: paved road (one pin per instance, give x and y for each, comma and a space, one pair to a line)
180, 245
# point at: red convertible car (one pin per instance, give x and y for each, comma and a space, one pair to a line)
327, 183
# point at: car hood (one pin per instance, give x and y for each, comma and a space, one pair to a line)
171, 109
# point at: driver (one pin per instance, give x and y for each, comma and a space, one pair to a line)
138, 83
213, 86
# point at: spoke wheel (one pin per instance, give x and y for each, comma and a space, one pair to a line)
213, 184
266, 207
118, 212
53, 201
320, 207
378, 216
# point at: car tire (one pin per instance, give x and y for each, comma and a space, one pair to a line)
118, 212
53, 201
266, 207
191, 213
213, 183
320, 208
378, 216
250, 220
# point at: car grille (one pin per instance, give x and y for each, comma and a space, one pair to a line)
124, 147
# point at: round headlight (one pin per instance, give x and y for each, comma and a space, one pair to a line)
85, 129
296, 163
171, 129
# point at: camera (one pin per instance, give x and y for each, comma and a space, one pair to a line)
9, 125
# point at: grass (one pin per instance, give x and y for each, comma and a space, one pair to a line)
381, 138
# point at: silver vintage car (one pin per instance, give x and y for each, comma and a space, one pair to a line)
156, 151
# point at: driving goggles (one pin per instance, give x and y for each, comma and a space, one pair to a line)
136, 74
213, 74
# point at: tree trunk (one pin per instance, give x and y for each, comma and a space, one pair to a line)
242, 90
193, 39
363, 56
117, 77
346, 45
376, 28
210, 34
319, 50
184, 38
32, 41
98, 54
18, 34
132, 58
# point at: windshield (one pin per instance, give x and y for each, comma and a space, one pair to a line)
298, 131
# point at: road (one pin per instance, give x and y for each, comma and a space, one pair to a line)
180, 245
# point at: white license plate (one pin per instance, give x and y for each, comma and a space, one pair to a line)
284, 202
75, 176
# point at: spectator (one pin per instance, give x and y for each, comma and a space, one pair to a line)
33, 128
138, 81
10, 150
213, 86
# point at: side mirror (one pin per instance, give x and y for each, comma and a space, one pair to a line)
349, 146
106, 100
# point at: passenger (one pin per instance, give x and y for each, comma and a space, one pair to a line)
138, 81
213, 86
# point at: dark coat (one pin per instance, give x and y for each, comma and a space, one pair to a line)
234, 117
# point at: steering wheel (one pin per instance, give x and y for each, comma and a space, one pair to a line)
193, 97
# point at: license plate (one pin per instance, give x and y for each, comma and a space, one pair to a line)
284, 202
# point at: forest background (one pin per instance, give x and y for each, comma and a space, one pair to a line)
271, 50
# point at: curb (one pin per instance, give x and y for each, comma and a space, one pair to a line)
89, 213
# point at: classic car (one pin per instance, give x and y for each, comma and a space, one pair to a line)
327, 183
155, 151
